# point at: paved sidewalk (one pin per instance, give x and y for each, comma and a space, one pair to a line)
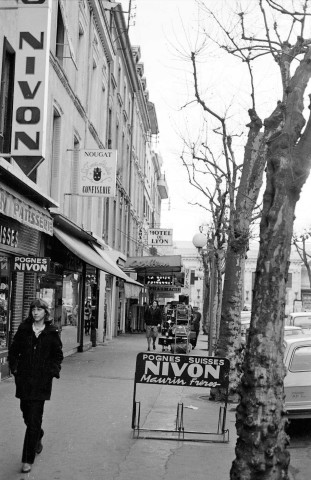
88, 423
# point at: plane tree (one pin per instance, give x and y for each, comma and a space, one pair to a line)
281, 144
261, 449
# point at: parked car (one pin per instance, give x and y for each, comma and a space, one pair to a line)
300, 319
293, 330
297, 383
288, 329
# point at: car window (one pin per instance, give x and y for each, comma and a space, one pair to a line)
293, 332
301, 360
303, 322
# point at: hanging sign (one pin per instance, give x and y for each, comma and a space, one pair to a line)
98, 173
161, 264
164, 288
159, 280
160, 237
29, 118
183, 370
31, 264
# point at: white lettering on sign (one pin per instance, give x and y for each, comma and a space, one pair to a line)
8, 236
182, 370
194, 371
31, 264
31, 79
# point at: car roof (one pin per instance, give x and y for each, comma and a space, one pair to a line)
300, 314
292, 327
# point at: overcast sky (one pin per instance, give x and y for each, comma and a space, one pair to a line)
165, 29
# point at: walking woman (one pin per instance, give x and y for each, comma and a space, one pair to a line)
35, 357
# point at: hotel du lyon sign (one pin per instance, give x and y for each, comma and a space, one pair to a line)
31, 81
160, 236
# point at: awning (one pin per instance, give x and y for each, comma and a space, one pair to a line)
14, 177
90, 256
106, 258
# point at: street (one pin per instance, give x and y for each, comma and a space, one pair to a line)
88, 431
300, 445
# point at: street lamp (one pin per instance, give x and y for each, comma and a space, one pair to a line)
200, 241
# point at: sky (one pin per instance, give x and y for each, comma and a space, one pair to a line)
166, 30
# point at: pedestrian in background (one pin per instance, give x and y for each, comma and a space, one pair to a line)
35, 357
196, 323
153, 319
87, 317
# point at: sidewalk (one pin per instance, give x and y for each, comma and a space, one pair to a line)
88, 423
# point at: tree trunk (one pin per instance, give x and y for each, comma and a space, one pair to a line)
229, 341
206, 290
261, 451
260, 414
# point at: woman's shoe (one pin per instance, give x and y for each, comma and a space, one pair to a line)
26, 468
39, 447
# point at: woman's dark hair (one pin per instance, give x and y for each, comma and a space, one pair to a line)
40, 303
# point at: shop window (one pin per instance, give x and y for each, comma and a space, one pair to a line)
71, 314
6, 97
4, 301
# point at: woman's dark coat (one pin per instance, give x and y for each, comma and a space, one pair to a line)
35, 361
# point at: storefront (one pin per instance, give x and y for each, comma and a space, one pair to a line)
91, 281
150, 270
24, 228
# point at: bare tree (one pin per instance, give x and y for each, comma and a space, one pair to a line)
203, 162
261, 450
283, 145
300, 241
242, 198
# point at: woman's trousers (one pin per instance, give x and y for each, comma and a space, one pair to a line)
32, 413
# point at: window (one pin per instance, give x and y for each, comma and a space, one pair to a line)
60, 36
6, 97
301, 360
55, 181
289, 280
75, 200
303, 322
109, 142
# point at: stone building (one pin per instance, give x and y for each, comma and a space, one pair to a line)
77, 134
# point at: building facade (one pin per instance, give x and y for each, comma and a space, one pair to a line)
72, 83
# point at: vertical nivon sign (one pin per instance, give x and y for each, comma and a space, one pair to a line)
31, 79
98, 170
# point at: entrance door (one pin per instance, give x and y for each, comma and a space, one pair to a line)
5, 291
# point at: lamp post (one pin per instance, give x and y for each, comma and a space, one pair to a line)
200, 241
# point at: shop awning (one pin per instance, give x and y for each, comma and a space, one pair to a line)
90, 256
106, 258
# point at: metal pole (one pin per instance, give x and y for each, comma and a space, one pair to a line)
211, 306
